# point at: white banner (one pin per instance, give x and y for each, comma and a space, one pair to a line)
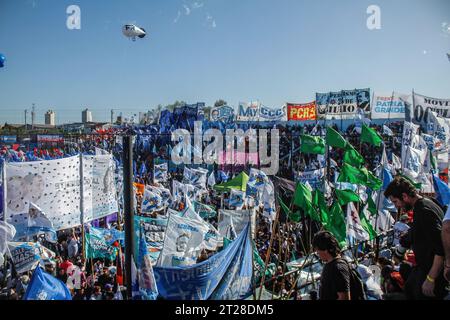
410, 130
272, 114
248, 111
390, 106
422, 107
54, 186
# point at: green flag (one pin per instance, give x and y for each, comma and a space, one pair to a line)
303, 199
319, 202
336, 224
311, 144
372, 182
370, 136
367, 225
352, 175
353, 157
334, 139
293, 216
346, 196
371, 206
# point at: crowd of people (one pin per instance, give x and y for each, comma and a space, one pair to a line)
406, 265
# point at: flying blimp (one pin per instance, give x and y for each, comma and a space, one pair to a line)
132, 31
2, 60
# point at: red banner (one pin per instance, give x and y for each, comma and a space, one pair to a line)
302, 112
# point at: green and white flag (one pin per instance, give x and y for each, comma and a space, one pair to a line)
354, 228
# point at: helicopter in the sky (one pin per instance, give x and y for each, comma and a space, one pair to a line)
132, 31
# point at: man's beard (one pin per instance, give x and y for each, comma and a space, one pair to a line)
407, 206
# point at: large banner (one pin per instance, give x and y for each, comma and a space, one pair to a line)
54, 186
227, 275
389, 106
248, 111
272, 114
46, 138
232, 222
301, 112
420, 111
8, 139
345, 103
99, 190
223, 113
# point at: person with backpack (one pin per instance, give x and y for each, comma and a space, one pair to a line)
338, 281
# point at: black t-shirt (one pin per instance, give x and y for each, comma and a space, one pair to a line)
426, 232
335, 278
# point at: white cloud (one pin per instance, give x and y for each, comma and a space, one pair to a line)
197, 5
446, 28
188, 10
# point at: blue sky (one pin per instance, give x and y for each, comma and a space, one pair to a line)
203, 50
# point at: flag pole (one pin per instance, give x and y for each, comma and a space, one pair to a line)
128, 209
4, 189
268, 252
83, 243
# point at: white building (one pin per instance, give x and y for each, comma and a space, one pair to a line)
50, 118
86, 116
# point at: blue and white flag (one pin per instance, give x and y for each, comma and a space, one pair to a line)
198, 178
44, 286
7, 233
211, 180
109, 235
146, 283
212, 239
163, 192
387, 131
257, 179
223, 176
237, 199
183, 243
27, 255
442, 190
225, 276
38, 223
151, 202
160, 172
154, 230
